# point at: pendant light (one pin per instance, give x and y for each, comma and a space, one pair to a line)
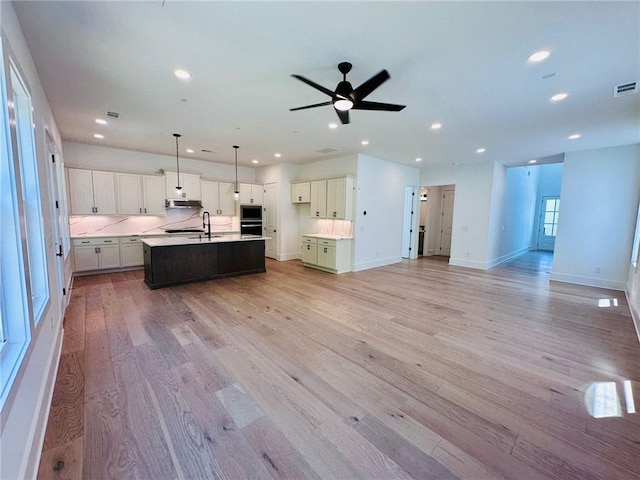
178, 187
236, 192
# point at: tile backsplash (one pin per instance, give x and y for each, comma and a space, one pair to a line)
334, 227
147, 224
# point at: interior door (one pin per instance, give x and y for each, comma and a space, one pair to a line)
549, 211
60, 218
270, 220
446, 225
408, 228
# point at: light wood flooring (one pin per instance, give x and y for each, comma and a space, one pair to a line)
415, 370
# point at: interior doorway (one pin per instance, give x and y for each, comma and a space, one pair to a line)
549, 212
436, 220
270, 219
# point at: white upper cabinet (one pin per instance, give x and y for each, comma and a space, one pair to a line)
217, 198
251, 194
318, 191
340, 198
140, 194
153, 195
92, 192
301, 192
189, 182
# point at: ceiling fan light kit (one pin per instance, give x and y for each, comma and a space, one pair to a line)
345, 98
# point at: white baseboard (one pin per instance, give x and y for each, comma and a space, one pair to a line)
376, 263
461, 262
288, 256
589, 281
507, 257
635, 316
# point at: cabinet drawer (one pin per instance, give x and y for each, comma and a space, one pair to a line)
326, 242
309, 240
77, 242
128, 240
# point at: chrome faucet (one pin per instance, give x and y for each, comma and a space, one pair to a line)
206, 223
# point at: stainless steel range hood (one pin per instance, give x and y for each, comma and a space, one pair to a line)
180, 203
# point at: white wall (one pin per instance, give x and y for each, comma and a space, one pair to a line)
380, 193
514, 204
94, 157
473, 183
600, 193
24, 414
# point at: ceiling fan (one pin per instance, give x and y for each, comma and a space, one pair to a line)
345, 98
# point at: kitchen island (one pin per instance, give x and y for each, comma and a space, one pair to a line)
178, 260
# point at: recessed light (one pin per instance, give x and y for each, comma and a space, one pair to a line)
98, 135
189, 150
333, 125
559, 96
277, 155
480, 150
365, 142
254, 161
418, 159
539, 56
533, 161
575, 136
101, 121
182, 74
436, 126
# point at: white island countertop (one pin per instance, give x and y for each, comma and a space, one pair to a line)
200, 239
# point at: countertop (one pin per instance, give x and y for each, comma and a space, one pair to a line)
150, 234
327, 236
196, 240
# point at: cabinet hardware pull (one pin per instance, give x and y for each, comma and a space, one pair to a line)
140, 210
145, 210
85, 241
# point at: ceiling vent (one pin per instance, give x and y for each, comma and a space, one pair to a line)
113, 114
327, 151
625, 89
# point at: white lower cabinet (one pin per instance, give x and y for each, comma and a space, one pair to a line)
131, 252
96, 253
328, 254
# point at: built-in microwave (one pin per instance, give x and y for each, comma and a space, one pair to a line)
250, 213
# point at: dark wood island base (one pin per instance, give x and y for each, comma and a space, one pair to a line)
198, 260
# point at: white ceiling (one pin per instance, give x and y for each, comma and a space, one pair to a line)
463, 64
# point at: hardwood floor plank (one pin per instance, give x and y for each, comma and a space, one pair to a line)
279, 456
74, 322
62, 462
239, 405
414, 461
67, 407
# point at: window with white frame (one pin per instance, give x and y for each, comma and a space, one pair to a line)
15, 332
31, 202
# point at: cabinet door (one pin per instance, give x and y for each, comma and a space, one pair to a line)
327, 257
80, 191
85, 258
310, 253
189, 182
109, 256
129, 194
153, 195
301, 192
104, 193
319, 199
257, 194
245, 193
210, 197
227, 203
131, 254
332, 192
191, 186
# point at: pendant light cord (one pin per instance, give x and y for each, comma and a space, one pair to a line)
236, 148
177, 135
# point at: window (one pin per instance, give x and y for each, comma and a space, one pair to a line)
15, 330
31, 203
550, 218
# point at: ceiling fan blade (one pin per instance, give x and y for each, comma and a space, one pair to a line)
370, 85
343, 115
314, 85
311, 106
389, 107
